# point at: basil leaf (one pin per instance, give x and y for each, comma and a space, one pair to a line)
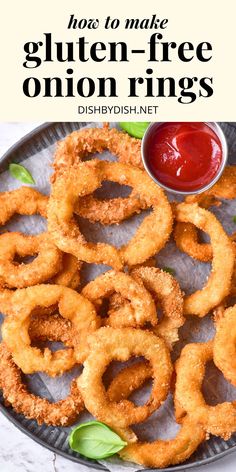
234, 219
21, 173
169, 270
136, 129
95, 440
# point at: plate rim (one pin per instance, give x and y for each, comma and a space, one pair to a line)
7, 411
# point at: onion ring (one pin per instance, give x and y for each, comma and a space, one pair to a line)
109, 211
161, 453
185, 234
108, 344
225, 345
71, 306
55, 328
64, 412
186, 238
45, 265
51, 328
219, 283
158, 453
165, 290
68, 276
84, 179
28, 201
15, 393
142, 306
219, 420
22, 201
128, 380
225, 188
78, 145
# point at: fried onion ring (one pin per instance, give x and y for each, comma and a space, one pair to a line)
219, 283
219, 420
109, 344
225, 188
28, 201
109, 211
186, 238
78, 145
15, 393
71, 305
142, 306
165, 290
69, 275
185, 234
45, 265
22, 201
63, 412
54, 327
128, 380
161, 453
225, 344
84, 179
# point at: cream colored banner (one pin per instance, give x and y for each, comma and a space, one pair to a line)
170, 89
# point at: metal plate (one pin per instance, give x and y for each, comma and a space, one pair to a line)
55, 438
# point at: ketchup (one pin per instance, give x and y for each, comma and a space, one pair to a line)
183, 156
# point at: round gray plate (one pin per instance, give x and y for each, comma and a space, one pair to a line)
56, 439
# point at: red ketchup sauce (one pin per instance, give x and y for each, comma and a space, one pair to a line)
183, 156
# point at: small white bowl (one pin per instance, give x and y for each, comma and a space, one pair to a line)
217, 129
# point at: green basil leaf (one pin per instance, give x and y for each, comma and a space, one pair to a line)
169, 270
95, 440
234, 219
136, 129
21, 173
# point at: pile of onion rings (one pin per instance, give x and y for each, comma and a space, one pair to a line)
44, 266
42, 300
